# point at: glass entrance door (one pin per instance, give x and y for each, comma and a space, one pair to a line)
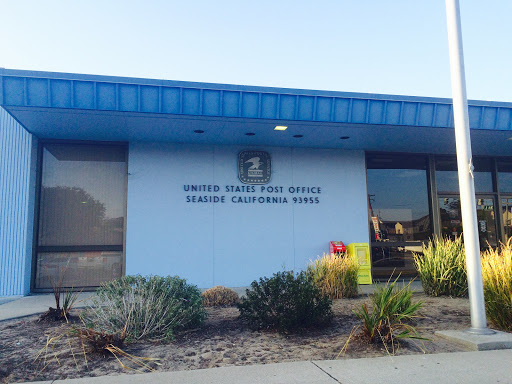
451, 219
399, 212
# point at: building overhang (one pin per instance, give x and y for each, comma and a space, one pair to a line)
86, 107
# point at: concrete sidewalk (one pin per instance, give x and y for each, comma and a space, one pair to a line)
445, 368
20, 306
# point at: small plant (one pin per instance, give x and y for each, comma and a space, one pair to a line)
442, 268
390, 317
219, 296
151, 307
335, 275
286, 303
497, 281
70, 297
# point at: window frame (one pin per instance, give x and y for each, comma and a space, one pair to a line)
37, 212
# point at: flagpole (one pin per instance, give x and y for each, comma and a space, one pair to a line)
465, 171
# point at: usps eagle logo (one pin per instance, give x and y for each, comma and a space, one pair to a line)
254, 167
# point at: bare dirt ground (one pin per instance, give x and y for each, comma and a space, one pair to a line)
223, 341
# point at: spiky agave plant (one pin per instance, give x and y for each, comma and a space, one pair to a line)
390, 317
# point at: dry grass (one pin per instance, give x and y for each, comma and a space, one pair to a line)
77, 344
335, 275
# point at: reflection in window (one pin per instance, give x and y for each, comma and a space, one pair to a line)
398, 200
82, 214
78, 269
451, 220
399, 211
447, 177
505, 176
506, 207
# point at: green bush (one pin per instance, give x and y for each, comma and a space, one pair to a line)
392, 312
219, 296
442, 268
152, 307
286, 303
497, 280
335, 275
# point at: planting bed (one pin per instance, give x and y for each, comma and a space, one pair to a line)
222, 341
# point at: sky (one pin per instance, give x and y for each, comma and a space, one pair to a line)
370, 46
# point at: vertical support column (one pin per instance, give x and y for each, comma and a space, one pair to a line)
498, 204
465, 170
434, 201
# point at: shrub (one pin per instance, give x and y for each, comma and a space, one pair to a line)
286, 303
442, 268
335, 275
497, 280
151, 307
219, 296
390, 316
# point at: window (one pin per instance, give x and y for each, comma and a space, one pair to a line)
505, 176
81, 214
399, 210
505, 186
447, 177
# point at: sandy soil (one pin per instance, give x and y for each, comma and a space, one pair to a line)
222, 341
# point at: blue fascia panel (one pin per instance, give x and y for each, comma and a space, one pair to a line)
90, 92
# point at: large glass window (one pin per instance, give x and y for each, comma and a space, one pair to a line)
81, 214
505, 185
449, 200
451, 219
399, 211
505, 176
447, 178
399, 205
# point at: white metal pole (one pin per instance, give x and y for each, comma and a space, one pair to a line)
465, 170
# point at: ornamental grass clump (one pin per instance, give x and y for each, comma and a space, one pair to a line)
152, 307
497, 280
220, 296
286, 303
442, 268
391, 315
335, 275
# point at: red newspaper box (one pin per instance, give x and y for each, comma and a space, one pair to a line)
337, 247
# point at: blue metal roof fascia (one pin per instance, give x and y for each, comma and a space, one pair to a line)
92, 92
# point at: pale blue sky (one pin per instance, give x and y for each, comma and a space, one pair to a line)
373, 46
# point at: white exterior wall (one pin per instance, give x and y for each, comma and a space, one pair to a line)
17, 179
231, 243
